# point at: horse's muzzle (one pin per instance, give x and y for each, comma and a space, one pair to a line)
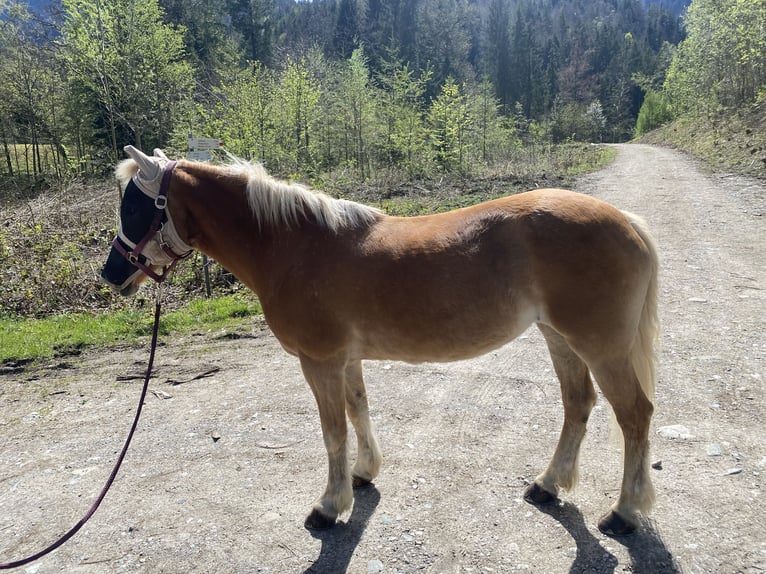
120, 274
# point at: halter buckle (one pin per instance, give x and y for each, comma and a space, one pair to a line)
161, 202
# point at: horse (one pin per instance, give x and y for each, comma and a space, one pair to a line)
340, 282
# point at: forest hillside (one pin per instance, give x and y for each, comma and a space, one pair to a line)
712, 102
421, 86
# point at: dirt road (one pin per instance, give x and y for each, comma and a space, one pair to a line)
229, 454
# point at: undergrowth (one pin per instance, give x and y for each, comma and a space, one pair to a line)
731, 140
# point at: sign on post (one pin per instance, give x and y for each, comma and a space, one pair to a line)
200, 149
204, 143
199, 155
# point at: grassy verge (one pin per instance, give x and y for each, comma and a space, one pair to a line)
34, 339
732, 141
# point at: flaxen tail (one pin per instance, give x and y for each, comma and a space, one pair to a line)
644, 350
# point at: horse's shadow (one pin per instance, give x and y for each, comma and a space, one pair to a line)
648, 553
340, 541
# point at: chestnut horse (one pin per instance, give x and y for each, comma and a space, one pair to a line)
340, 282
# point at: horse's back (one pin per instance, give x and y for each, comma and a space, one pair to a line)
554, 256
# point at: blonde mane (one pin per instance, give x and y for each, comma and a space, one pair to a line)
276, 202
126, 169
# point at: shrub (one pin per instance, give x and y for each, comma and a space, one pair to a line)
655, 112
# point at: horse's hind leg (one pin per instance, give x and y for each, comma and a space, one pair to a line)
579, 397
327, 381
369, 457
633, 410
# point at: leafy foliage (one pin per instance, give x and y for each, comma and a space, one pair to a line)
448, 121
655, 112
722, 62
120, 54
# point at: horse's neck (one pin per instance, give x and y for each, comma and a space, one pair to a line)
214, 216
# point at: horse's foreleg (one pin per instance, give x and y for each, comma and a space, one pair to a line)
579, 397
369, 457
327, 381
633, 411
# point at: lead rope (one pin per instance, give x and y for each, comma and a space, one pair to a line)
105, 489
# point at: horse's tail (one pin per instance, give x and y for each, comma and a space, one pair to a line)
642, 354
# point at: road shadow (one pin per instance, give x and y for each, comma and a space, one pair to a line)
340, 541
647, 551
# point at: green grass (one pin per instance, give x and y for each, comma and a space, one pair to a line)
34, 339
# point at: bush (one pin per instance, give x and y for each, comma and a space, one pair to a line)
655, 112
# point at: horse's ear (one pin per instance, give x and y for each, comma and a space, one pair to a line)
160, 154
149, 166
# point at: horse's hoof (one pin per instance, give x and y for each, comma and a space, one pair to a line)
612, 524
536, 494
359, 482
318, 521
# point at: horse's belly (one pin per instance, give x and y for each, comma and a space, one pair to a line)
452, 339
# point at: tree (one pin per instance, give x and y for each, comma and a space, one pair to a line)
214, 52
380, 32
244, 113
294, 119
655, 111
348, 28
253, 19
448, 122
490, 136
131, 63
12, 18
401, 114
359, 107
530, 76
498, 51
30, 95
595, 121
723, 59
444, 40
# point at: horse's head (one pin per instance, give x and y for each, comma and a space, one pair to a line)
147, 241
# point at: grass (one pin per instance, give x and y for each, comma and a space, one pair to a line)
26, 340
732, 140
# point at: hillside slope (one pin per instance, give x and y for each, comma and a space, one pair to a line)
735, 142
